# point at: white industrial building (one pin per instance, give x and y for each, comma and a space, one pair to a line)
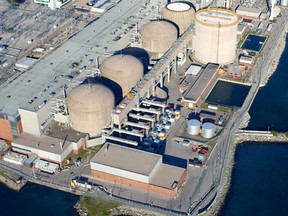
248, 12
136, 168
46, 147
26, 62
15, 158
53, 4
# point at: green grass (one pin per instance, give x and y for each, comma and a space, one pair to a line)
97, 207
96, 148
223, 109
204, 105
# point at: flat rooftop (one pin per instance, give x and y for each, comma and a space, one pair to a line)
195, 91
166, 175
216, 17
49, 74
62, 132
44, 143
248, 9
125, 158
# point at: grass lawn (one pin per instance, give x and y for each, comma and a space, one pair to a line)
97, 207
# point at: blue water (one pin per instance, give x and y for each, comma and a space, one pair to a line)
229, 94
259, 179
253, 42
270, 107
36, 200
259, 182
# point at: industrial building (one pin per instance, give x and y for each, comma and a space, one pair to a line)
47, 147
125, 166
196, 92
215, 38
27, 100
180, 13
248, 12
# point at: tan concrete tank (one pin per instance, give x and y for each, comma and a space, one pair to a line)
215, 35
90, 107
157, 37
180, 13
125, 70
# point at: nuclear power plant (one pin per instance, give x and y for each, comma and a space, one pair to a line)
129, 91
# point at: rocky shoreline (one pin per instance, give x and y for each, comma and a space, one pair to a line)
276, 57
119, 211
238, 139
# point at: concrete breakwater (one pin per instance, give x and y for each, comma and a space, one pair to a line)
238, 139
276, 53
11, 181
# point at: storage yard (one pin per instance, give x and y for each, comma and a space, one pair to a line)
130, 80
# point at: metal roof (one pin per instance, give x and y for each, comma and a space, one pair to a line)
44, 143
126, 158
166, 175
195, 91
50, 73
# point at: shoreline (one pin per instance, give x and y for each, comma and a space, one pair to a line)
237, 140
276, 58
219, 201
8, 180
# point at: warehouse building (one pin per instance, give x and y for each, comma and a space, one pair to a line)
135, 168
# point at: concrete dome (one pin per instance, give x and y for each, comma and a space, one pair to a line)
180, 13
157, 37
90, 107
125, 70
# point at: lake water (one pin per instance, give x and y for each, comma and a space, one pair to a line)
259, 179
36, 200
270, 108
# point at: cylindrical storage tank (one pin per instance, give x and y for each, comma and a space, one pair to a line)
193, 126
208, 130
90, 107
180, 13
157, 37
201, 157
215, 35
284, 3
124, 70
